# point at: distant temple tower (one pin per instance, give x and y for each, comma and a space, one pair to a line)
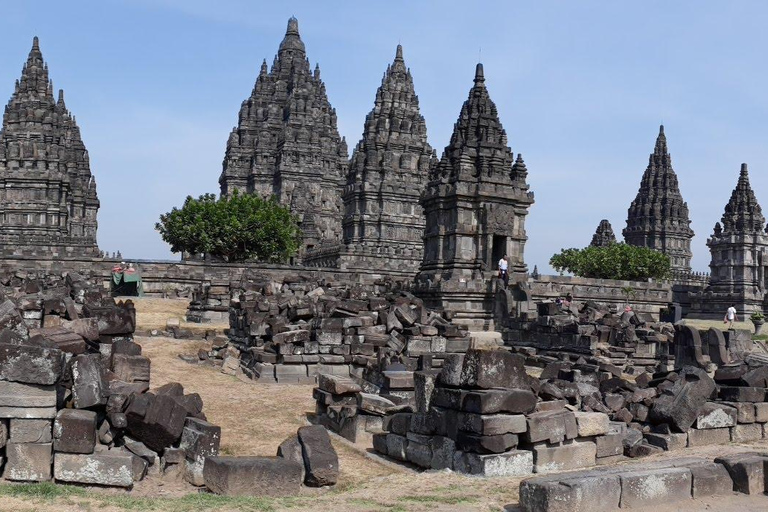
475, 202
658, 217
603, 235
48, 201
383, 221
739, 248
287, 144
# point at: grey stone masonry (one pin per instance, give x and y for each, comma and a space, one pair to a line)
658, 217
603, 235
475, 203
383, 221
287, 143
48, 201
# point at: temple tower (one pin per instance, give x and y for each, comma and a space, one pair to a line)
48, 201
658, 217
383, 221
287, 143
475, 202
603, 235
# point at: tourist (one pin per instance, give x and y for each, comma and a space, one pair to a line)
503, 267
730, 316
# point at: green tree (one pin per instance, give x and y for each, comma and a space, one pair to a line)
615, 261
237, 228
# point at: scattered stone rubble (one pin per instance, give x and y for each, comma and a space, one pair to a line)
294, 330
74, 399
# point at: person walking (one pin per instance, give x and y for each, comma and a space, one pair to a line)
503, 270
730, 316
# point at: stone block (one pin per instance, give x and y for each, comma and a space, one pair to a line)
28, 412
30, 362
609, 445
761, 412
74, 431
475, 443
745, 411
746, 433
668, 442
337, 385
680, 404
397, 446
710, 479
494, 368
708, 436
591, 423
104, 468
30, 431
551, 459
320, 459
419, 453
28, 462
714, 415
374, 404
578, 494
655, 487
511, 463
424, 386
199, 440
552, 426
131, 368
492, 424
741, 394
443, 452
252, 476
157, 421
747, 471
491, 401
88, 386
16, 394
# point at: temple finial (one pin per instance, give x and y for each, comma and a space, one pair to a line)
479, 76
293, 27
35, 43
399, 52
744, 171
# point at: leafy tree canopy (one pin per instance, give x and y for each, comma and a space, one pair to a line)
240, 227
615, 261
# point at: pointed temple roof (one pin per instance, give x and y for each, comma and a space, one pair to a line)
479, 143
603, 235
742, 213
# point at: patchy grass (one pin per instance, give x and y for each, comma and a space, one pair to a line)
717, 324
154, 313
443, 500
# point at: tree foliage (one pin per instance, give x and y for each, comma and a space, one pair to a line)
240, 227
615, 261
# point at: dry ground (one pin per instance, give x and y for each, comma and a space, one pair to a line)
255, 418
152, 313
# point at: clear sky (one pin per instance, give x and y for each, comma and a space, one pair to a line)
581, 89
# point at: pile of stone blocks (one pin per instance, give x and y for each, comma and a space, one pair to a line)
74, 399
295, 330
664, 483
307, 457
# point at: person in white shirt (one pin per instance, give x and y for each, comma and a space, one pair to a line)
503, 267
730, 316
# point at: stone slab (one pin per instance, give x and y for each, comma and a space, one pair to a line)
105, 468
655, 487
252, 476
28, 462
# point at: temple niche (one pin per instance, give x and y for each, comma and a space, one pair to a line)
287, 144
658, 217
48, 201
475, 202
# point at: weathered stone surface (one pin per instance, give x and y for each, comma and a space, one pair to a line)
337, 385
552, 426
551, 459
761, 412
655, 487
475, 443
591, 423
30, 363
746, 433
16, 394
741, 394
396, 446
104, 468
747, 471
88, 386
443, 452
28, 412
609, 445
714, 415
157, 421
374, 404
492, 424
74, 431
424, 386
129, 368
199, 440
28, 462
668, 442
320, 460
579, 494
710, 479
30, 431
491, 401
709, 436
511, 463
679, 406
488, 368
252, 476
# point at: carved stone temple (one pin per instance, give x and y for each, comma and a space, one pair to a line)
48, 201
287, 143
603, 235
658, 217
739, 249
475, 202
383, 222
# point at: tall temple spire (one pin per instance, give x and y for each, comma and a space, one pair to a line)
48, 201
743, 213
658, 217
382, 222
287, 143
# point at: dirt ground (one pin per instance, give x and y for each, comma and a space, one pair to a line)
256, 417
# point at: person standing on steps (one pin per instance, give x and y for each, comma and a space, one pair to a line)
730, 316
503, 267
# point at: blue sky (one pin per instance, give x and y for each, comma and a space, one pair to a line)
581, 88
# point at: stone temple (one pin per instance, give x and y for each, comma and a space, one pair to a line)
287, 144
475, 203
603, 235
48, 201
383, 223
658, 217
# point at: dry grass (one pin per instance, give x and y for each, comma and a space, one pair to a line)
718, 324
154, 313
